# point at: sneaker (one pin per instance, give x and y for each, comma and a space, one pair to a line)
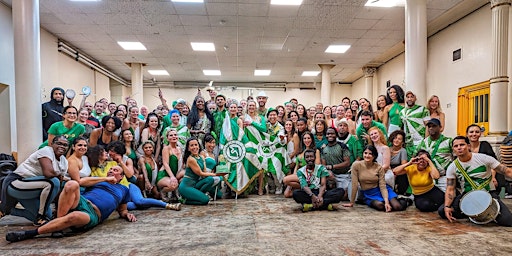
57, 234
307, 207
330, 207
175, 207
174, 198
508, 196
40, 220
16, 236
279, 190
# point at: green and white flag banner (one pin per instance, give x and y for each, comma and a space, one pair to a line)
239, 154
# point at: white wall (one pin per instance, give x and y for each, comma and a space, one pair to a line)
6, 79
445, 77
275, 96
60, 70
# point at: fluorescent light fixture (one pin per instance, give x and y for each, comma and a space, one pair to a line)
286, 2
207, 47
262, 72
158, 72
84, 0
134, 46
337, 48
310, 73
382, 3
210, 72
187, 1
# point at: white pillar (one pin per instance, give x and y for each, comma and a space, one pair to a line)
498, 109
137, 83
27, 70
368, 82
325, 91
416, 48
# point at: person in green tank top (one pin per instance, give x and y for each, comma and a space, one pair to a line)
395, 100
192, 188
172, 169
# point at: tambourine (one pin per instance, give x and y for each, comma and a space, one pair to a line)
86, 90
70, 94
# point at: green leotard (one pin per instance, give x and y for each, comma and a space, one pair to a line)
160, 174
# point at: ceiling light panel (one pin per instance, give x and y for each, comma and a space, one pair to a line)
205, 47
158, 72
262, 72
187, 1
310, 73
337, 48
132, 46
210, 72
286, 2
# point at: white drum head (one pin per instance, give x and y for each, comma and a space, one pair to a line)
86, 90
475, 202
70, 93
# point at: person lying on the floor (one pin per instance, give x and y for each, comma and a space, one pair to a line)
83, 212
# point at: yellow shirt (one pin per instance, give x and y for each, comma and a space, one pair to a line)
102, 172
420, 181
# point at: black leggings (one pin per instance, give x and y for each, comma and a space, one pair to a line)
430, 201
396, 204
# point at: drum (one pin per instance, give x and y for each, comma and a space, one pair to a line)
479, 206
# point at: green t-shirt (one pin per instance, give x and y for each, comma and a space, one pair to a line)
312, 180
71, 134
335, 155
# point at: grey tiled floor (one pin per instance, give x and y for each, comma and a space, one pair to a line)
272, 225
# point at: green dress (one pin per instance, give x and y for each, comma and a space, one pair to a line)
395, 122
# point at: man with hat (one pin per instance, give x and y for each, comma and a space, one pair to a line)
262, 100
414, 118
348, 139
439, 148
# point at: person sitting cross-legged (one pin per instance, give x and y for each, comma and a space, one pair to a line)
83, 212
313, 183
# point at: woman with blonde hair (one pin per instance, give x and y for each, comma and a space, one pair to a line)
383, 158
434, 107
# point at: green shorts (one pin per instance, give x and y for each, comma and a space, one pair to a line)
161, 174
85, 206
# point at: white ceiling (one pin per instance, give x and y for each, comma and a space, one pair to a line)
248, 35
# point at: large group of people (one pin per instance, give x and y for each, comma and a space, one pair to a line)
388, 157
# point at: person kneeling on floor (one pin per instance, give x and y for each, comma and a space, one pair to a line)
313, 183
83, 212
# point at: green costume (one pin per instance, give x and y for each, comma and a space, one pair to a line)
182, 131
218, 119
440, 150
395, 122
414, 119
193, 188
71, 134
353, 146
